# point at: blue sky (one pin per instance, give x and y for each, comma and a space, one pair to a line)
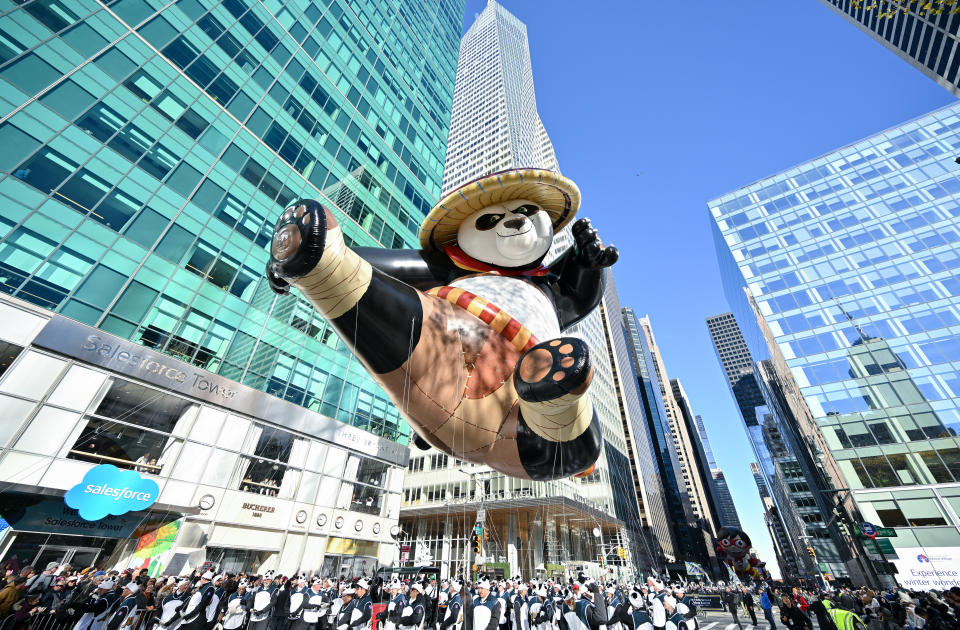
654, 108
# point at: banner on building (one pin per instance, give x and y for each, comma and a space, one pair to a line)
924, 568
154, 548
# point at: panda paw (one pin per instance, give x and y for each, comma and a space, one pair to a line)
298, 241
589, 248
552, 369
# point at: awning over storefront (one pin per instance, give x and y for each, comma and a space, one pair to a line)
350, 547
46, 513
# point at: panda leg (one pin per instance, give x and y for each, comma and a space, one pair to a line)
558, 432
378, 316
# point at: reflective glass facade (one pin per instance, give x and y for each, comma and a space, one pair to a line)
925, 35
669, 503
852, 259
149, 146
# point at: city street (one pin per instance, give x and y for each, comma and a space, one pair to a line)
721, 620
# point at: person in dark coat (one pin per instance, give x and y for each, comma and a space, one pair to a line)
749, 603
824, 622
281, 607
793, 616
732, 599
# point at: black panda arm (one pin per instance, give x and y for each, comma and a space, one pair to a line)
578, 274
421, 270
575, 288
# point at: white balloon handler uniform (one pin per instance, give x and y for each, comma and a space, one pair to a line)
453, 612
171, 608
201, 609
413, 614
298, 601
313, 607
675, 618
263, 602
238, 605
97, 607
634, 613
520, 620
658, 614
124, 615
398, 602
333, 613
487, 611
542, 612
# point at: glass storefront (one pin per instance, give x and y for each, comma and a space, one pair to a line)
77, 551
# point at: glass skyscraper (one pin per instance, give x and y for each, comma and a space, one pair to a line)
850, 264
148, 148
726, 509
775, 439
924, 35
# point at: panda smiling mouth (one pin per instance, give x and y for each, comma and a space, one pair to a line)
517, 234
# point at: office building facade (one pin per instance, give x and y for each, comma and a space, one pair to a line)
245, 480
726, 509
688, 532
694, 467
848, 262
924, 34
782, 547
149, 148
495, 123
779, 448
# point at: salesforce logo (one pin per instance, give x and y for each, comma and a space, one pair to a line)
922, 558
107, 490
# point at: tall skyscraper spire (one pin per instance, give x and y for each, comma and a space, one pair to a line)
495, 124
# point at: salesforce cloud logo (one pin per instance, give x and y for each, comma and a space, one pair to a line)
107, 490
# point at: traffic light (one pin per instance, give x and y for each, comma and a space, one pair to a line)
477, 543
812, 552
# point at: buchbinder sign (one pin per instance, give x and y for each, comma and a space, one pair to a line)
106, 490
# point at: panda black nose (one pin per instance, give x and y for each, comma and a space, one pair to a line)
515, 224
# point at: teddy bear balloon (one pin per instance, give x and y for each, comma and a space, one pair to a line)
465, 334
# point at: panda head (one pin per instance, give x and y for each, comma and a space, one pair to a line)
512, 234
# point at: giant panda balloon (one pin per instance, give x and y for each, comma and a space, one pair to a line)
465, 333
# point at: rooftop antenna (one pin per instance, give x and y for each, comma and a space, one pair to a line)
863, 336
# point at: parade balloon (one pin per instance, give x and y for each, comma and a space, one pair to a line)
733, 548
465, 334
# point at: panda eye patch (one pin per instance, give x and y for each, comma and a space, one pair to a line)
527, 210
488, 221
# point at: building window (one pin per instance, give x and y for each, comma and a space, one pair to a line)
8, 352
131, 428
438, 461
265, 471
